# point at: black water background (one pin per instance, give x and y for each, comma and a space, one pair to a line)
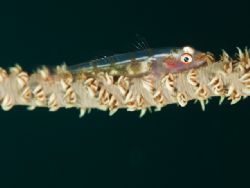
177, 147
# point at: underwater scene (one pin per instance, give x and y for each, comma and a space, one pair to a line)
124, 94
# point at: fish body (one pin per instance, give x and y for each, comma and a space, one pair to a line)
156, 61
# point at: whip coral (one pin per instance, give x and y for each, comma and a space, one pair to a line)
106, 90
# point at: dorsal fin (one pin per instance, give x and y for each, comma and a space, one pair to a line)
140, 43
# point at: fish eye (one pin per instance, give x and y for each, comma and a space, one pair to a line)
186, 58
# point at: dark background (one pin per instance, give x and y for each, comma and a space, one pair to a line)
177, 147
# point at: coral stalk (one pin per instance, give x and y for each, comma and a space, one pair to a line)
225, 78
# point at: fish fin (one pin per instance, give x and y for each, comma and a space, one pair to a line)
140, 43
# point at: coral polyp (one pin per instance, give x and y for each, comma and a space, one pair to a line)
140, 82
